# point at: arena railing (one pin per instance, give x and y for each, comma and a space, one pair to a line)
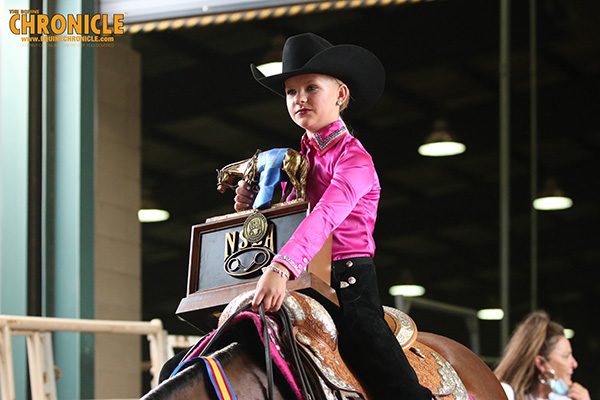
37, 331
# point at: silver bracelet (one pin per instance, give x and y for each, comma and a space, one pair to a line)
275, 269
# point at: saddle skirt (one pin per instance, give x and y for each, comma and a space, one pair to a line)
435, 373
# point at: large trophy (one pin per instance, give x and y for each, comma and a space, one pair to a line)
228, 252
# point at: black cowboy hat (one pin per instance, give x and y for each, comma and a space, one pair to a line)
308, 53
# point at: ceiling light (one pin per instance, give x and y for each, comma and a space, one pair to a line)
552, 198
569, 333
271, 68
150, 211
552, 203
270, 63
153, 215
490, 314
407, 290
441, 143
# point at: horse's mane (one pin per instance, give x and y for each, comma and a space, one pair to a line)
226, 353
170, 388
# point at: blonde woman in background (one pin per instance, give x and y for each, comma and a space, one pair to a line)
538, 362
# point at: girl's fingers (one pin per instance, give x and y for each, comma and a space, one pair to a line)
244, 196
258, 298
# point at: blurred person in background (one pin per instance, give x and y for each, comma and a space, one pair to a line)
538, 363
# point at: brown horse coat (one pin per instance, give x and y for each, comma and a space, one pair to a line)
478, 378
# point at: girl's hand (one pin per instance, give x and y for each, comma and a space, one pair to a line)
244, 196
270, 289
578, 392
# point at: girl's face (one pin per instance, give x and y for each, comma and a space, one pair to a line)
312, 100
562, 361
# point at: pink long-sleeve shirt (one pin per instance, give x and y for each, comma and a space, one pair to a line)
343, 187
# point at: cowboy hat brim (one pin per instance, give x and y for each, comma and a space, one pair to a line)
355, 66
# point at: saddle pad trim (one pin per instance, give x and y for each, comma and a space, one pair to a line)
218, 379
216, 374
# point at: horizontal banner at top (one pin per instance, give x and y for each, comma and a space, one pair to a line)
150, 15
152, 10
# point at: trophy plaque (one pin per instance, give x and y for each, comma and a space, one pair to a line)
227, 254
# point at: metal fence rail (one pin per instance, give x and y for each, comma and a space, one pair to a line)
37, 331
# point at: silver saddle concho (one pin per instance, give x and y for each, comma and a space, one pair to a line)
315, 333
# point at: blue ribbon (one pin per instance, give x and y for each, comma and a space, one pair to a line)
269, 166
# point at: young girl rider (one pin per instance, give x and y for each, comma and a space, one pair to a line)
319, 81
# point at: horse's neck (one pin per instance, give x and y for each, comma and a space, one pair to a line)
238, 167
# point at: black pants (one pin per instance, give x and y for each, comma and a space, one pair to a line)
366, 343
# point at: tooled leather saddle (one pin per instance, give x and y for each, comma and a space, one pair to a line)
322, 368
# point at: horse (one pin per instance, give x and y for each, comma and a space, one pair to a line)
443, 365
245, 169
263, 169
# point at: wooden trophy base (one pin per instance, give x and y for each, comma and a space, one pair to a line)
202, 309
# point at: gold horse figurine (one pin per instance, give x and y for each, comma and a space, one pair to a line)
245, 169
294, 164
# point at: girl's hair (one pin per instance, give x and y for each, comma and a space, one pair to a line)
344, 106
536, 335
